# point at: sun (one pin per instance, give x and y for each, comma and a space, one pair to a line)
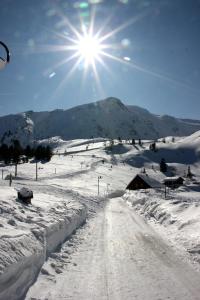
89, 48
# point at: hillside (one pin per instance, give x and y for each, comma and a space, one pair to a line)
105, 118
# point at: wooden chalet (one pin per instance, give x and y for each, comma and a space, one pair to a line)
143, 181
173, 182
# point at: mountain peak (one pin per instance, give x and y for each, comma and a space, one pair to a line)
111, 102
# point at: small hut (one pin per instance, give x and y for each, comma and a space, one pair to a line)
173, 182
143, 181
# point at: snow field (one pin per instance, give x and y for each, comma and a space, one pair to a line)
67, 188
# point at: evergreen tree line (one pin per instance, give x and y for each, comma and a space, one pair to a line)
15, 153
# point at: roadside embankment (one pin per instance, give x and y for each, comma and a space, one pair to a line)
29, 234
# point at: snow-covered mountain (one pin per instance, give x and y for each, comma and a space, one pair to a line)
105, 118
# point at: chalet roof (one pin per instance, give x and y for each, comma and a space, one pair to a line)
152, 181
172, 179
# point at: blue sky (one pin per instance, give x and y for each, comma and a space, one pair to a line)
161, 40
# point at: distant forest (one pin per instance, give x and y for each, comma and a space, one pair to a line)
15, 153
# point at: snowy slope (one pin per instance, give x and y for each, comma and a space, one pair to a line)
18, 126
106, 118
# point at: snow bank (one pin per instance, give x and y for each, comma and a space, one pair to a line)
28, 235
57, 233
179, 215
20, 260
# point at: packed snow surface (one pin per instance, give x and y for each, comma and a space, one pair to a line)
117, 256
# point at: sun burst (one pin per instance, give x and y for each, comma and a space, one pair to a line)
89, 48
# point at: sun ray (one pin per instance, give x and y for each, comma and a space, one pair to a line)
65, 79
68, 23
90, 48
113, 57
105, 24
51, 48
74, 67
101, 61
61, 63
149, 72
122, 27
92, 20
98, 82
162, 76
84, 77
70, 39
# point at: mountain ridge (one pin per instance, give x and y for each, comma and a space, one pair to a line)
109, 118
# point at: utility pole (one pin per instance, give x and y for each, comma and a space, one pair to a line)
10, 180
99, 177
36, 171
16, 170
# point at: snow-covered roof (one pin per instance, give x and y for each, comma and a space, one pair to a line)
172, 179
150, 180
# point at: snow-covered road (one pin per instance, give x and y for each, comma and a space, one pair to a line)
116, 255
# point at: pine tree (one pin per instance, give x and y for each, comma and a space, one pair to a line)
29, 151
111, 143
17, 151
48, 153
43, 153
119, 140
133, 141
152, 147
189, 173
163, 165
5, 154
